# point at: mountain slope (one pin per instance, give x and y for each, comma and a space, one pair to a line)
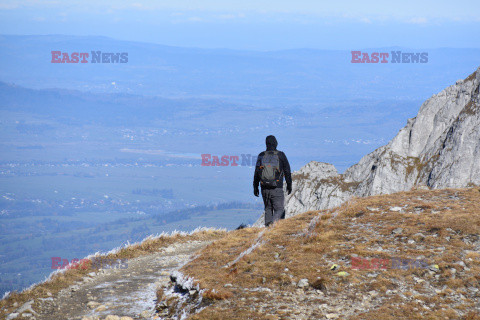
439, 148
122, 281
409, 255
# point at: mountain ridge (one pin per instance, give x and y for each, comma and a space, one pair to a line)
436, 149
292, 77
408, 255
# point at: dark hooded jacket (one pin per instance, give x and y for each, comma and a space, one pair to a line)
271, 143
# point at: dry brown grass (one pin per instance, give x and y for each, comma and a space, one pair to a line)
65, 279
445, 219
214, 313
471, 76
217, 295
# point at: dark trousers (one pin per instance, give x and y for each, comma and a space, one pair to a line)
273, 201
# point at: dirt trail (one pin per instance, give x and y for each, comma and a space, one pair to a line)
122, 292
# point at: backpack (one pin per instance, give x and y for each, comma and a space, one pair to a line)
270, 166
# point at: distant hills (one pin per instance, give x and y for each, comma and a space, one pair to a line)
289, 77
77, 107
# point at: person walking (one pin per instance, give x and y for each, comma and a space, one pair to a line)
271, 168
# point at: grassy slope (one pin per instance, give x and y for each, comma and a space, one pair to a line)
63, 280
443, 224
440, 226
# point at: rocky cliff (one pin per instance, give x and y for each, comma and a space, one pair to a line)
439, 148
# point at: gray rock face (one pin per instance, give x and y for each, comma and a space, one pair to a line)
439, 148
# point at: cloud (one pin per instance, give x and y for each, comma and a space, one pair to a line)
300, 11
365, 20
8, 6
15, 4
195, 19
418, 20
138, 5
39, 19
229, 16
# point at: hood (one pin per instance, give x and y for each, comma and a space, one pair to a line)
271, 143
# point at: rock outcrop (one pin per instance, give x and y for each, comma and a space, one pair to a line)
439, 148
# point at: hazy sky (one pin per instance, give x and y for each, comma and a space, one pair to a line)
255, 24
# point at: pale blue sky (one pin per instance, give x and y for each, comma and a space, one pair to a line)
254, 24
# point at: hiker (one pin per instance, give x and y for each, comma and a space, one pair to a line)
272, 166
